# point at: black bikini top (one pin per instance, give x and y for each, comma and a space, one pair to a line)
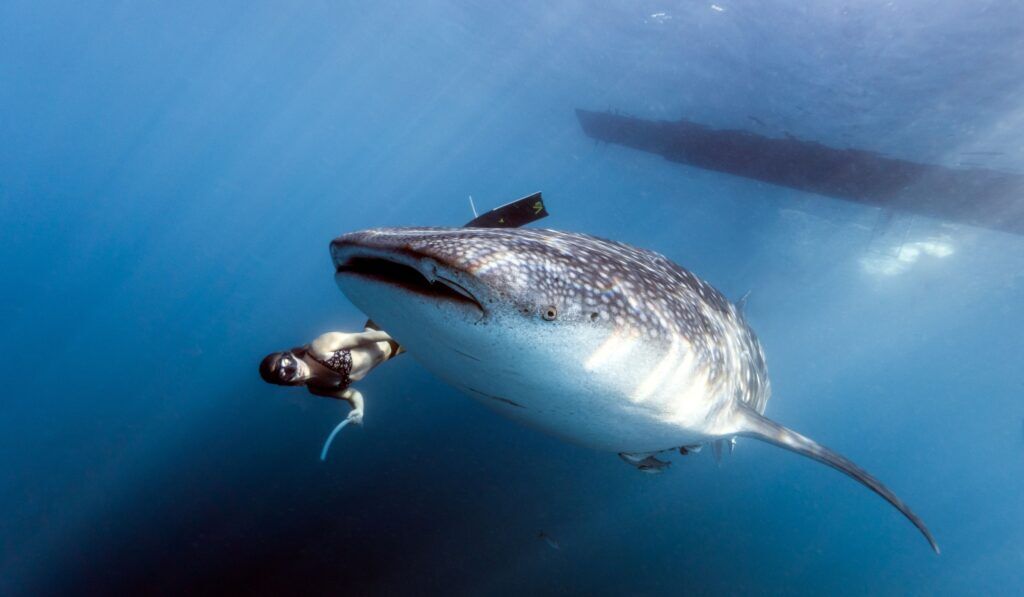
340, 362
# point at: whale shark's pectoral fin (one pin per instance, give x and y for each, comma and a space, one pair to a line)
752, 424
645, 463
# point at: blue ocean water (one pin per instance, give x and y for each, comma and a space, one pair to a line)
171, 175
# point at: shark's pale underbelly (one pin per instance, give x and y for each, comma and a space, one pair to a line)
569, 390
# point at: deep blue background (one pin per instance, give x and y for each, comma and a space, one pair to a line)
171, 174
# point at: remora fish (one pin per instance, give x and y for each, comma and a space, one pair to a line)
598, 342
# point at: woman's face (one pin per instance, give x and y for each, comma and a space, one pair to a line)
291, 370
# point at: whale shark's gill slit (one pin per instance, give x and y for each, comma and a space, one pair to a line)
455, 286
497, 398
408, 278
755, 425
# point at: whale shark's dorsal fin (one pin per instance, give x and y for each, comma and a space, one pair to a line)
752, 424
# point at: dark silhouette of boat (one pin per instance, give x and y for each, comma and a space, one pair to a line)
975, 196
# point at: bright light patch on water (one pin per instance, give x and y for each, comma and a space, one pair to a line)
903, 257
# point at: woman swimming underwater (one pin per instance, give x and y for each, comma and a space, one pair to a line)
328, 365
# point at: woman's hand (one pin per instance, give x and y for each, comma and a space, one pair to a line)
356, 400
354, 416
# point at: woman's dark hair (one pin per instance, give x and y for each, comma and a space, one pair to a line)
280, 368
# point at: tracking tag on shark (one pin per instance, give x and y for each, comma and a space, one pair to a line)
512, 215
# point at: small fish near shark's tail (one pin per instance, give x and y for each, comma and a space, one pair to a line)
752, 424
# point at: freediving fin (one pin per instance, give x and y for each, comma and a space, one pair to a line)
752, 424
330, 438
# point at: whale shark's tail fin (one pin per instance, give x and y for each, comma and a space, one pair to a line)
752, 424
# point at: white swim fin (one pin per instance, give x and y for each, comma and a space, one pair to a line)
330, 438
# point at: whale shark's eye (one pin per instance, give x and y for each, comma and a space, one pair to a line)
549, 313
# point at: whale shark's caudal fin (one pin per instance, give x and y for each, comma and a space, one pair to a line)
752, 424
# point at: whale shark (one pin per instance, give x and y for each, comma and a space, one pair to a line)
597, 342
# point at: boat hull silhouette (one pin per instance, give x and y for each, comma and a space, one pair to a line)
975, 196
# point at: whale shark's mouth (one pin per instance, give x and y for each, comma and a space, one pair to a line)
417, 276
